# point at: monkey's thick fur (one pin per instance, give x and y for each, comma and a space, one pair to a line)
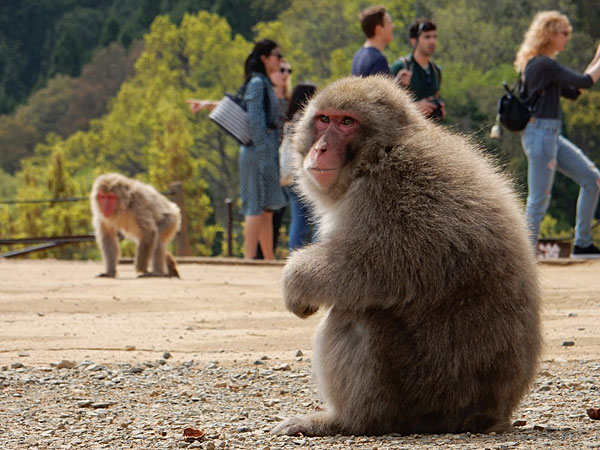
424, 260
143, 215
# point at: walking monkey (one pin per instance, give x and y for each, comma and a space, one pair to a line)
142, 214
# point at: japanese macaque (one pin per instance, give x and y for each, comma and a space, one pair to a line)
424, 262
142, 214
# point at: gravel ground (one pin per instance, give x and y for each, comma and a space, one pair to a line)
232, 370
234, 406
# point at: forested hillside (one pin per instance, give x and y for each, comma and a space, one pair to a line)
43, 38
95, 86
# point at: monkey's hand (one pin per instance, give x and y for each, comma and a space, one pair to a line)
297, 287
106, 275
302, 311
403, 77
295, 299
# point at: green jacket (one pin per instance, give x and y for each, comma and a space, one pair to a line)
423, 83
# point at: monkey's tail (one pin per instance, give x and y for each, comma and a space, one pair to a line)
172, 266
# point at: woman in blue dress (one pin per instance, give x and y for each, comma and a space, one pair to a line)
260, 191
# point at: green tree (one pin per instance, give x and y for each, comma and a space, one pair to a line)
66, 104
65, 219
110, 32
8, 189
42, 113
25, 28
171, 160
49, 178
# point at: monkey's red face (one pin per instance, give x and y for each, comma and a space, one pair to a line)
334, 129
107, 201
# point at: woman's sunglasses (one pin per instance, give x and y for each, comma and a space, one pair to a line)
285, 69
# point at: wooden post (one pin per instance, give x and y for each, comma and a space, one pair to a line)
228, 202
182, 239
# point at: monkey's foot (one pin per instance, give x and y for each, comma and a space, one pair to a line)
151, 275
486, 422
106, 275
318, 424
172, 266
173, 273
292, 426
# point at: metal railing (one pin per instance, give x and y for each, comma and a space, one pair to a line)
182, 244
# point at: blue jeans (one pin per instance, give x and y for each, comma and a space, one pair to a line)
300, 219
547, 151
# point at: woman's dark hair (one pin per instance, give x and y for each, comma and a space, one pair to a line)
300, 96
264, 47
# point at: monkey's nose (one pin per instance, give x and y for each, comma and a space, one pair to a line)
321, 148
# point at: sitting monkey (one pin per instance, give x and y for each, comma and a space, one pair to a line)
140, 213
424, 262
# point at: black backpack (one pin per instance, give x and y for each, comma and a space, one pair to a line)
513, 112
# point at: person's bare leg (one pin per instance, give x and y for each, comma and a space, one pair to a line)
252, 228
265, 235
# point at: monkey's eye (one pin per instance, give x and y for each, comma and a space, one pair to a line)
347, 121
323, 118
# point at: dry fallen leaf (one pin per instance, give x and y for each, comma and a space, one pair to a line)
191, 434
593, 413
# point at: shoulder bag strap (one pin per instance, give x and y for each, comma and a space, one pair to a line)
437, 73
407, 61
532, 102
242, 90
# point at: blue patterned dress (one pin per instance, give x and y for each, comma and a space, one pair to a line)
259, 163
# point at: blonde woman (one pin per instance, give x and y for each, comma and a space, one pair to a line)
545, 80
282, 84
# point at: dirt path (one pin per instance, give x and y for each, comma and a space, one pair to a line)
54, 310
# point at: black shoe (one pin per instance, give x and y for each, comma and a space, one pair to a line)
589, 252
